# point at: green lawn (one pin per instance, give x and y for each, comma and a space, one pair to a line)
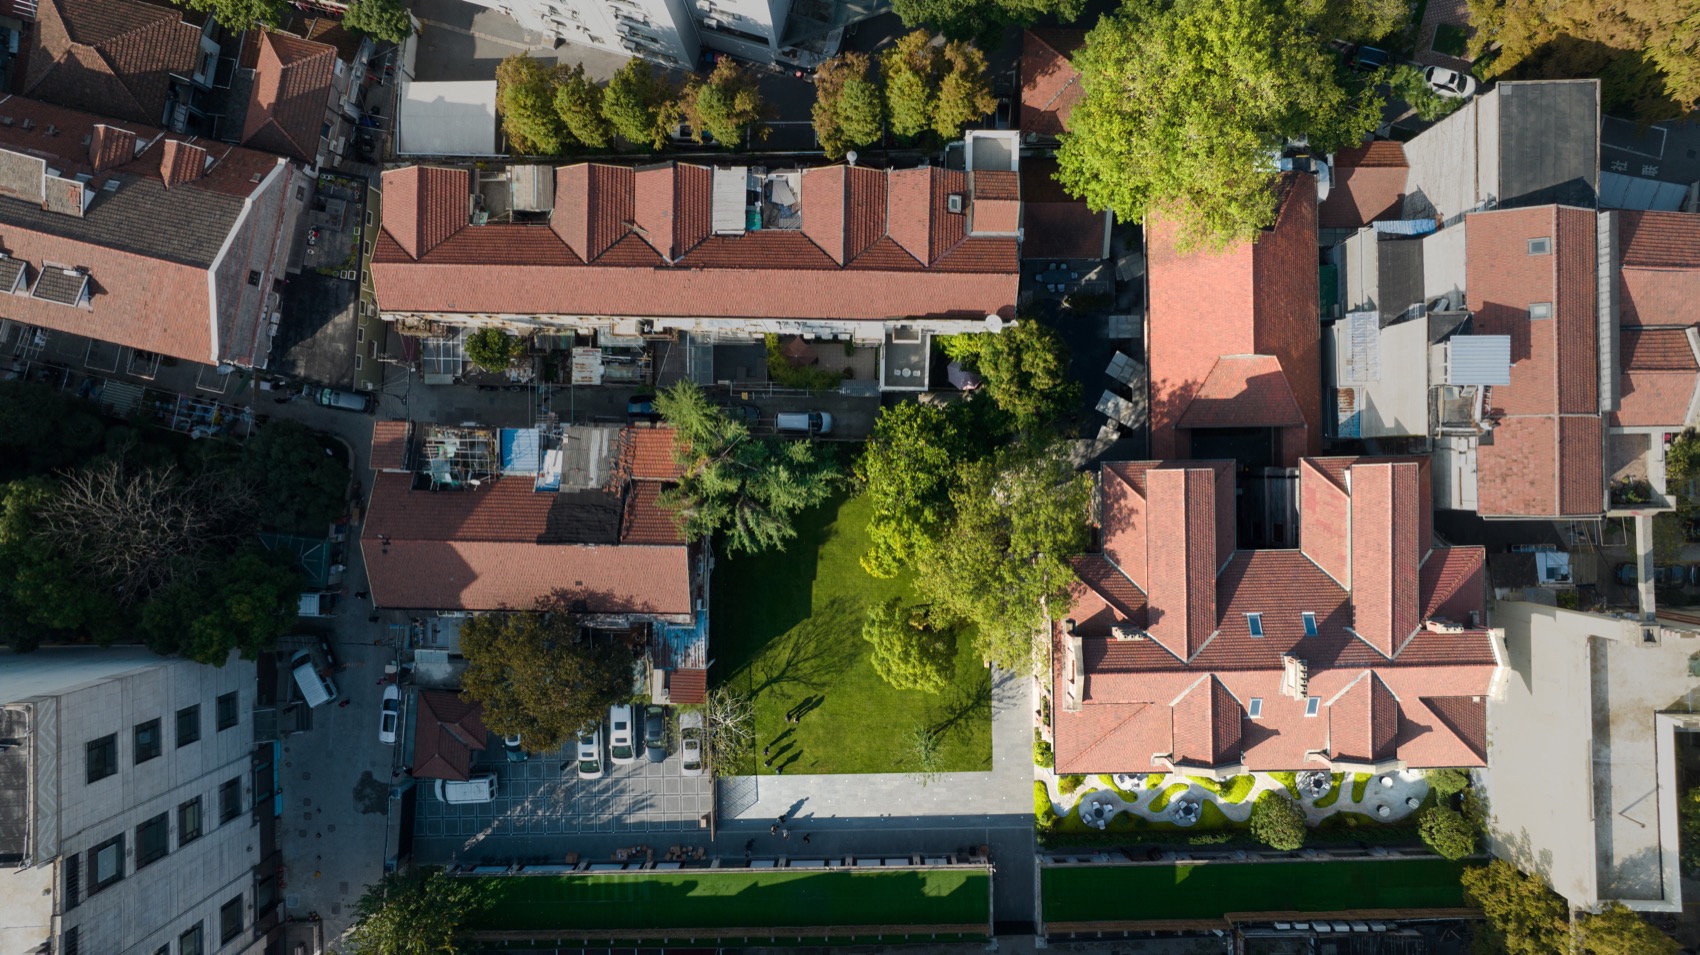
1207, 891
787, 628
733, 898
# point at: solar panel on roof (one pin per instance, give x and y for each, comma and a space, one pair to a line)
61, 286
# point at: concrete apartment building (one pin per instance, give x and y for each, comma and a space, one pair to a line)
675, 32
129, 821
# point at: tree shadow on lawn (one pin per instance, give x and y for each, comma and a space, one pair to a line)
963, 708
812, 653
758, 597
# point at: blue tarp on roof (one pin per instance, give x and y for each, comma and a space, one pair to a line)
521, 450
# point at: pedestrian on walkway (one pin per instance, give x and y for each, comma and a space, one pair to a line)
773, 830
751, 844
806, 837
784, 833
767, 751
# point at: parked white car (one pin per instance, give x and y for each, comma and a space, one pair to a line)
590, 753
690, 742
1450, 83
621, 735
389, 716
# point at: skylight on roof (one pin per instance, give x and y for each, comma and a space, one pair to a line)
1310, 624
1254, 707
1312, 705
1255, 622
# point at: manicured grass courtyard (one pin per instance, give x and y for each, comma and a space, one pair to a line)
732, 898
787, 630
1207, 891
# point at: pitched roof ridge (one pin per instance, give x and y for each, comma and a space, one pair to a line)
1138, 707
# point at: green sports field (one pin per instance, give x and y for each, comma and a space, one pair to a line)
1207, 891
734, 898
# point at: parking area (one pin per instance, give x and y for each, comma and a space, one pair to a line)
544, 802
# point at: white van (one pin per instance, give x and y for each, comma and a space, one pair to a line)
806, 422
481, 788
315, 688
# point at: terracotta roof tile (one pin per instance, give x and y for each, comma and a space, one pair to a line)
646, 454
864, 209
1050, 85
1581, 456
1207, 722
1369, 185
447, 730
1576, 313
180, 163
291, 91
1466, 718
483, 549
1658, 296
1243, 391
1112, 586
1363, 720
1659, 240
389, 445
1325, 522
1182, 571
111, 57
1054, 224
948, 231
1657, 399
110, 146
911, 199
823, 209
1656, 349
646, 521
1454, 584
996, 203
1385, 552
688, 685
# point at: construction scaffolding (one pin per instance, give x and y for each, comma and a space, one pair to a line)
457, 456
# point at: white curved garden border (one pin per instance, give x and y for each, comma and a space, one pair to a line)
1405, 785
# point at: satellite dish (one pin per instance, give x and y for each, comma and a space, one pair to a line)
850, 157
994, 323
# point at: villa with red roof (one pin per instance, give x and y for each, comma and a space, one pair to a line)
1233, 340
1362, 649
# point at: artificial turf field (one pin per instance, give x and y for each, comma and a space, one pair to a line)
1207, 891
787, 628
733, 898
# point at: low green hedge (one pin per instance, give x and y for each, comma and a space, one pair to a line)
1334, 790
1162, 800
1289, 780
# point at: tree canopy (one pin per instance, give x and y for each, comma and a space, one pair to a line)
413, 913
1355, 19
239, 15
908, 651
302, 485
932, 87
726, 106
492, 348
907, 469
1278, 821
640, 104
749, 489
578, 101
1620, 930
1025, 370
1184, 104
538, 676
380, 19
1524, 917
525, 96
982, 18
1450, 833
848, 111
1645, 52
245, 603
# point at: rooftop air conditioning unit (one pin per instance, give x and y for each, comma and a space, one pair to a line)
953, 203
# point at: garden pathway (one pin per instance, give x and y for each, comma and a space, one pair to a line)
1394, 795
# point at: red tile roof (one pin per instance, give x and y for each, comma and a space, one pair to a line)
112, 57
1657, 349
1207, 722
1243, 391
487, 548
149, 250
292, 87
646, 520
1654, 399
1544, 456
1394, 581
1660, 268
1054, 224
1369, 185
849, 261
389, 445
646, 454
688, 685
1252, 299
447, 731
1050, 85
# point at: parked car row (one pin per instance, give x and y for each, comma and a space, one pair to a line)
623, 741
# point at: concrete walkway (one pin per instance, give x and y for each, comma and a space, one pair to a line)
1394, 795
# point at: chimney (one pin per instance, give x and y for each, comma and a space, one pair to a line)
181, 163
1076, 689
110, 146
1295, 677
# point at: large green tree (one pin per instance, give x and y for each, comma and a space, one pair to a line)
907, 470
244, 603
727, 105
935, 87
981, 18
1183, 105
1524, 917
43, 595
848, 111
1619, 930
1645, 52
1450, 833
1278, 821
578, 100
492, 348
239, 15
538, 676
965, 89
525, 96
381, 19
303, 486
416, 912
1355, 19
1025, 370
1019, 516
908, 651
640, 103
749, 489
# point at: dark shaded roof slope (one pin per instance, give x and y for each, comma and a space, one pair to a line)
447, 731
1549, 143
286, 106
112, 57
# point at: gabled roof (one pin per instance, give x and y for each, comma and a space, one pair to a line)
497, 546
389, 444
112, 57
1369, 185
447, 731
1050, 85
1659, 276
1252, 299
1544, 455
286, 107
1243, 391
646, 454
1383, 622
1054, 224
873, 244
